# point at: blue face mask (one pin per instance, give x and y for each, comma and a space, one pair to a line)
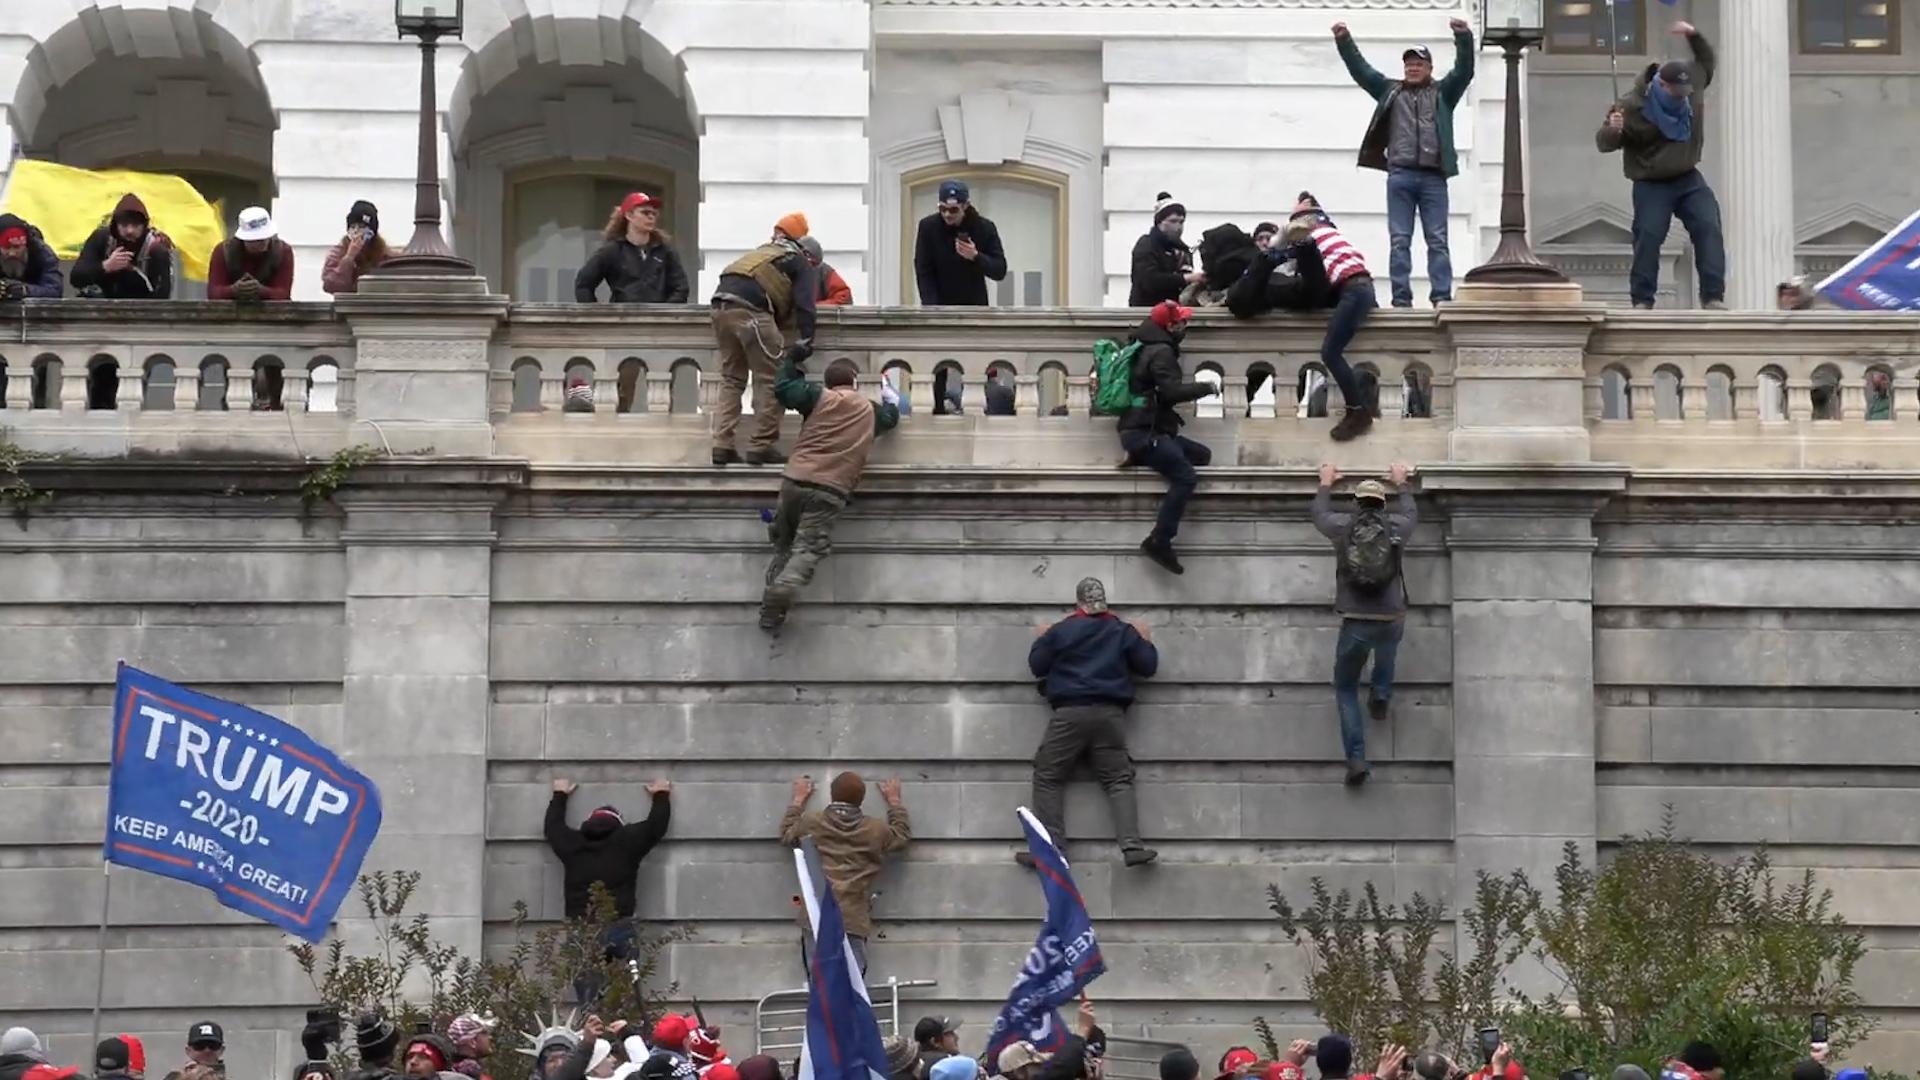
1668, 111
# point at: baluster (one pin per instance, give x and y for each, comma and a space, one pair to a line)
239, 388
128, 394
1693, 400
1799, 398
186, 386
1233, 398
658, 391
293, 388
920, 398
1640, 399
712, 390
1026, 395
1853, 401
553, 388
73, 386
1393, 397
1079, 396
1286, 393
606, 391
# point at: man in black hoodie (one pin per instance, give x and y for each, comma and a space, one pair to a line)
956, 251
29, 270
1162, 262
127, 258
1086, 664
604, 849
1150, 430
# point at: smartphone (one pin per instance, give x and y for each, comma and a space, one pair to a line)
1489, 1042
965, 238
1817, 1029
423, 1027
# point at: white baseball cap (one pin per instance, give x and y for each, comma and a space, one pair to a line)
255, 224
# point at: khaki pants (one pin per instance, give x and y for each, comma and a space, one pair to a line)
749, 341
1093, 732
802, 535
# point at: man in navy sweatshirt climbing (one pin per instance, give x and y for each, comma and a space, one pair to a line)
1086, 664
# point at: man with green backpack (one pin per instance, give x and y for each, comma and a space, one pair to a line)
1141, 383
1370, 595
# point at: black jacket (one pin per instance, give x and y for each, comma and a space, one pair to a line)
41, 279
1646, 153
151, 275
608, 855
1157, 374
1089, 659
1160, 267
1067, 1063
945, 277
634, 275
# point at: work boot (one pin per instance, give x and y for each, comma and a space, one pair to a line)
1357, 771
1377, 706
769, 456
726, 455
1138, 856
1353, 424
1161, 552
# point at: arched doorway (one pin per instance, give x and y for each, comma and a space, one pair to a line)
165, 89
546, 143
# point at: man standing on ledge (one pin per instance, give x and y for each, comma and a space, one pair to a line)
956, 251
1660, 132
763, 310
1411, 139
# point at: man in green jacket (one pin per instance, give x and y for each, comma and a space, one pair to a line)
836, 438
1411, 139
1660, 131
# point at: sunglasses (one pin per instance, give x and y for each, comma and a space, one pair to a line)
205, 1046
953, 209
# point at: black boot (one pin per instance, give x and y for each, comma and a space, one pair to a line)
769, 456
1352, 425
726, 455
1138, 856
1161, 552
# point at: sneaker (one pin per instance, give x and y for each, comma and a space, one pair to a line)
1138, 856
1639, 305
1377, 706
1025, 859
726, 455
1357, 772
769, 456
1353, 424
1715, 305
1161, 552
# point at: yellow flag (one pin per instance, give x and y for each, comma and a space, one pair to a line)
68, 204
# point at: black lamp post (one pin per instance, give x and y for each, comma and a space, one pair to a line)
427, 252
1513, 25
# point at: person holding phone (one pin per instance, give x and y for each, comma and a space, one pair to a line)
127, 258
956, 251
359, 251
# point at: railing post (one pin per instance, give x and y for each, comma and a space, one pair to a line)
423, 366
1519, 381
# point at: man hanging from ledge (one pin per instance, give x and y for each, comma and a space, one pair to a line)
836, 438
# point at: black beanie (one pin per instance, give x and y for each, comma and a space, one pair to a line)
1700, 1056
324, 1068
364, 213
1265, 227
376, 1037
1334, 1055
1164, 207
1179, 1064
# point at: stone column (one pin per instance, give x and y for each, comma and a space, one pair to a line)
1750, 102
1518, 379
422, 363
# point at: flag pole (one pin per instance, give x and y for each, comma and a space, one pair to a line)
1613, 48
100, 971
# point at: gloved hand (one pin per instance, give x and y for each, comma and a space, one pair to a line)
797, 354
888, 395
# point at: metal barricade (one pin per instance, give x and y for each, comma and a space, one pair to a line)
780, 1018
1131, 1057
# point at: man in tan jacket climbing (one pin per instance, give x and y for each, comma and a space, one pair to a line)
852, 845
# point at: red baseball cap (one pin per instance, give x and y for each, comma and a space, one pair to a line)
1165, 314
1238, 1056
637, 200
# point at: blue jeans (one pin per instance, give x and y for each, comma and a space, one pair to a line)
1358, 639
1655, 204
1354, 300
1173, 457
1423, 190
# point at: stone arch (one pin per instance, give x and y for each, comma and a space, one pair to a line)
158, 384
630, 386
526, 385
1616, 393
556, 114
1824, 392
1720, 392
1668, 397
1416, 391
684, 388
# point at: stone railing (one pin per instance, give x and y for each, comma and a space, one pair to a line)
466, 374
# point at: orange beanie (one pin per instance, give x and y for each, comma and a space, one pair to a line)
794, 225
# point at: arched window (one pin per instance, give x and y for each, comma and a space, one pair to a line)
949, 389
213, 385
1879, 387
1416, 390
103, 383
1022, 201
1616, 400
1719, 393
526, 385
1312, 389
1666, 392
157, 393
685, 393
1366, 375
1826, 392
578, 386
900, 377
269, 380
48, 374
1210, 407
1001, 389
1773, 393
555, 222
1261, 385
1053, 389
631, 386
323, 385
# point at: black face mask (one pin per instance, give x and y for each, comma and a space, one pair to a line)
1176, 335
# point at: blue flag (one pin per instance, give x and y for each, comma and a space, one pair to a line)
1064, 959
1885, 277
217, 795
843, 1039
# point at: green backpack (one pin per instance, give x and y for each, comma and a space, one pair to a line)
1113, 366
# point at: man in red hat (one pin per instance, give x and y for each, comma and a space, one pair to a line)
1150, 430
28, 267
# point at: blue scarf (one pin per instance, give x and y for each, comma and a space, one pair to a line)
1673, 116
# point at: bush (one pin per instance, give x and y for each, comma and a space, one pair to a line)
1658, 946
413, 978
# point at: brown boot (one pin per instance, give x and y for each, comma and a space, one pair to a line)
1352, 425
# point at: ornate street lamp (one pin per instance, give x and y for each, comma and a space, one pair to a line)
427, 252
1513, 25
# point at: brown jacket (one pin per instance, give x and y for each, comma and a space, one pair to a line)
836, 438
852, 846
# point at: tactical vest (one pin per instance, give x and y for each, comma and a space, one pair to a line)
760, 265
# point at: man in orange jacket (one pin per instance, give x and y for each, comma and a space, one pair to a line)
834, 290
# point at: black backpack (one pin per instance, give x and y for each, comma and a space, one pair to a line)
1369, 557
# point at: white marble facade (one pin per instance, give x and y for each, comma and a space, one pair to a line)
1071, 114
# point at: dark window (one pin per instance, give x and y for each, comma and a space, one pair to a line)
1849, 26
1592, 26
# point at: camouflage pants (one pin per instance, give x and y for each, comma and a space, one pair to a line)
802, 535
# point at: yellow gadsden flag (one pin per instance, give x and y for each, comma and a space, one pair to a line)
68, 204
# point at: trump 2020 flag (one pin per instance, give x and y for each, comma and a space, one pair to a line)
238, 802
843, 1039
1063, 960
1885, 277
